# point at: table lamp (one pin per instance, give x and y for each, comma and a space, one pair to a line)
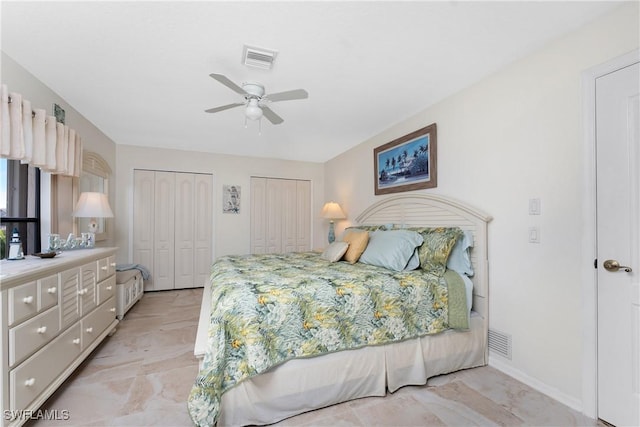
93, 205
332, 211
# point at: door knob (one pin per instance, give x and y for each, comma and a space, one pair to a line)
613, 265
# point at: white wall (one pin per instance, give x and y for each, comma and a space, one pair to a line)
20, 80
231, 232
517, 135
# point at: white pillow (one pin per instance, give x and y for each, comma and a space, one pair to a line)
335, 251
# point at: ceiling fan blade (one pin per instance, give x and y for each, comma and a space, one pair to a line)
271, 116
288, 95
224, 107
228, 83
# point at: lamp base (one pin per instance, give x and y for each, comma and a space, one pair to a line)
332, 233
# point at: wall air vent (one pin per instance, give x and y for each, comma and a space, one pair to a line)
500, 343
258, 57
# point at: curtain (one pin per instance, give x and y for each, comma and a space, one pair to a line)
31, 136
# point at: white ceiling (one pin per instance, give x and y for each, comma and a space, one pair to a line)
140, 70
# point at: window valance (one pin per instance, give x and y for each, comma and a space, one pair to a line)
31, 136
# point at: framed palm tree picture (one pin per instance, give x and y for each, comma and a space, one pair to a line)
407, 163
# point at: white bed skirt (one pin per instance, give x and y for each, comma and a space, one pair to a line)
303, 385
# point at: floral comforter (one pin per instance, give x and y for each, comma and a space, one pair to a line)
267, 309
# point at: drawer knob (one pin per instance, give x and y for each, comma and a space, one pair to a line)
30, 382
109, 288
113, 264
104, 268
82, 291
76, 341
42, 329
112, 309
89, 330
52, 290
28, 300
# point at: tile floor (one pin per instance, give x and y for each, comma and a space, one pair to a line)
142, 375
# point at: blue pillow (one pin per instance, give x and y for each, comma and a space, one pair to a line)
460, 259
391, 249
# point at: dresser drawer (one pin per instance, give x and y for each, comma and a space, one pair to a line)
31, 377
95, 323
27, 337
106, 267
106, 289
23, 302
47, 292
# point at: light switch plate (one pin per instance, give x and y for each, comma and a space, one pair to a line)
534, 235
534, 206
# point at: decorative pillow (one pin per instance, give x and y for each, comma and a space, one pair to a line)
460, 258
357, 241
391, 249
436, 248
334, 251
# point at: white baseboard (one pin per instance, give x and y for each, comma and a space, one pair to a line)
554, 393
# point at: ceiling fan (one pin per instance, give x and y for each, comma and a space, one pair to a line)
255, 100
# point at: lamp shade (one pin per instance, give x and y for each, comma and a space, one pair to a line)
93, 205
332, 210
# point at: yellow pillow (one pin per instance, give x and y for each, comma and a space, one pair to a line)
357, 244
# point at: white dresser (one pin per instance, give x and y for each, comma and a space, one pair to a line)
54, 313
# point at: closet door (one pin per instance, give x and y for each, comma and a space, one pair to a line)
289, 214
258, 232
143, 220
280, 215
303, 216
163, 231
173, 228
273, 216
184, 230
203, 223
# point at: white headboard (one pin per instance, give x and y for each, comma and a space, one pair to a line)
427, 210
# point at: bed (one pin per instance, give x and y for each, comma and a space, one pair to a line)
296, 385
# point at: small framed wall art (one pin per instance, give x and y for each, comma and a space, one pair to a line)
58, 113
231, 199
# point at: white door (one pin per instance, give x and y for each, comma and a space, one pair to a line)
163, 232
203, 224
184, 230
618, 239
258, 216
143, 220
303, 217
289, 215
273, 216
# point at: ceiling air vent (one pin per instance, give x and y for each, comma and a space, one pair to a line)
258, 57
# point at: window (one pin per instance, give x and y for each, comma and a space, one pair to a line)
19, 205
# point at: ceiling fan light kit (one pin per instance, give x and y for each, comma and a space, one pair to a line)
255, 100
253, 111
